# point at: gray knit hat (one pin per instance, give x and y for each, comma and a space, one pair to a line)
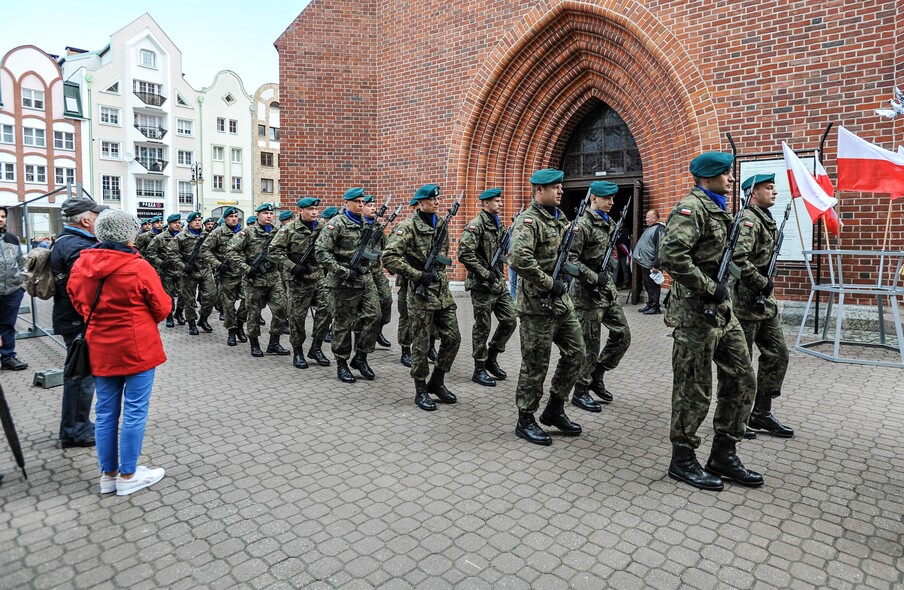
116, 225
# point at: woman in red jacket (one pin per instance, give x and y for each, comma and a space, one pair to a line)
125, 345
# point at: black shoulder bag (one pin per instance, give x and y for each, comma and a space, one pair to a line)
78, 363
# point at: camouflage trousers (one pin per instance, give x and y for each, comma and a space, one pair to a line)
384, 292
773, 362
538, 333
693, 352
299, 296
354, 308
404, 323
195, 288
172, 284
485, 305
617, 343
232, 289
424, 324
272, 296
323, 315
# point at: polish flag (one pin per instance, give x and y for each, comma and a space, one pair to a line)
869, 168
830, 217
805, 185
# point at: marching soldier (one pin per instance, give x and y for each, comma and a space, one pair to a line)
406, 255
145, 227
164, 256
285, 218
476, 248
384, 290
322, 306
196, 277
231, 288
144, 240
354, 296
546, 312
761, 322
209, 224
596, 298
691, 250
248, 251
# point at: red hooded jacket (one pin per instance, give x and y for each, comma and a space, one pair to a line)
123, 337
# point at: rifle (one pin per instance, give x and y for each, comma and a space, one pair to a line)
773, 260
379, 231
191, 265
362, 250
261, 263
727, 266
562, 263
604, 265
501, 249
435, 259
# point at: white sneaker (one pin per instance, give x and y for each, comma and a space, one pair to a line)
142, 478
107, 483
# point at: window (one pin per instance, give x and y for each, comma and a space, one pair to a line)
63, 140
184, 158
147, 58
262, 131
185, 127
64, 175
8, 172
217, 182
221, 124
266, 185
236, 183
146, 87
233, 126
218, 153
109, 150
267, 159
35, 137
274, 134
7, 134
113, 88
186, 197
181, 101
236, 156
112, 187
602, 142
109, 115
229, 99
35, 173
147, 187
32, 99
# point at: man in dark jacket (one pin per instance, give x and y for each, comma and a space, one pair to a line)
647, 256
78, 214
11, 293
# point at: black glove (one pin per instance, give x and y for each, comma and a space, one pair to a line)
354, 272
719, 296
299, 270
558, 288
224, 267
426, 279
767, 290
493, 277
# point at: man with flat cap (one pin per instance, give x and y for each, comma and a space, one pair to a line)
691, 251
197, 280
755, 306
546, 311
163, 254
486, 283
144, 239
434, 312
231, 288
291, 249
249, 253
596, 298
322, 303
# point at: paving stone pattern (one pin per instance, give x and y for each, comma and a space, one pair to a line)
281, 478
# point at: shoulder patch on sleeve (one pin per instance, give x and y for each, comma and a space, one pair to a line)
528, 220
242, 234
400, 232
472, 228
577, 228
748, 223
685, 211
329, 226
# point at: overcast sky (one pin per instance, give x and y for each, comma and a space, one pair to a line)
212, 35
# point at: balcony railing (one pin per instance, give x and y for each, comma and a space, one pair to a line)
151, 98
152, 164
151, 132
149, 192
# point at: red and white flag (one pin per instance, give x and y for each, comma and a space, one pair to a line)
805, 185
830, 217
863, 166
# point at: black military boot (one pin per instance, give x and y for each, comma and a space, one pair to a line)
329, 337
554, 415
762, 419
285, 329
750, 434
298, 359
256, 347
205, 325
421, 398
193, 328
360, 363
529, 430
382, 341
274, 347
684, 467
180, 319
230, 339
316, 354
432, 354
724, 462
437, 387
598, 387
492, 365
169, 321
262, 321
222, 317
343, 372
406, 356
240, 334
480, 376
581, 399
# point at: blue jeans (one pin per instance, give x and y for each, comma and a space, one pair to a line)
513, 281
129, 395
9, 311
75, 416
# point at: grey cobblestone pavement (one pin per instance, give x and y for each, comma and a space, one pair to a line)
286, 478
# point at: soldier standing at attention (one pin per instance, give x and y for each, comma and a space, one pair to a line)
596, 298
489, 295
535, 244
323, 316
164, 256
691, 250
196, 276
354, 295
406, 255
761, 322
231, 289
248, 252
288, 248
144, 240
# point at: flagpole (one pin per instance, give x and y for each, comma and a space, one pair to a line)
887, 224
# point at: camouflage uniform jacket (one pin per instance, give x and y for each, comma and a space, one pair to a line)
336, 245
163, 254
535, 247
406, 254
186, 242
245, 247
289, 246
691, 250
143, 241
752, 255
376, 266
214, 249
476, 248
587, 252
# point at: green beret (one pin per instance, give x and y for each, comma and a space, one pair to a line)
353, 193
490, 193
710, 164
603, 188
251, 219
210, 220
329, 212
425, 192
284, 215
547, 176
192, 216
155, 219
229, 211
757, 179
174, 217
368, 198
307, 202
265, 207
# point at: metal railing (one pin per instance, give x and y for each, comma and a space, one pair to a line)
151, 132
151, 98
152, 164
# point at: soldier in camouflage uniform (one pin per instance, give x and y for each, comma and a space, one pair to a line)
761, 323
210, 224
546, 311
144, 239
292, 250
164, 256
691, 250
322, 306
354, 296
231, 289
263, 284
406, 255
476, 248
384, 290
596, 298
196, 277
